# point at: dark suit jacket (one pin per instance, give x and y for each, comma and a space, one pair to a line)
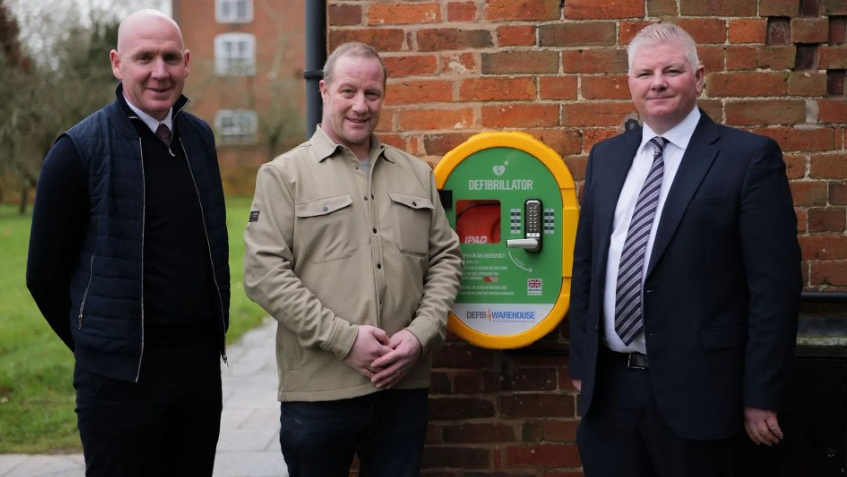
722, 291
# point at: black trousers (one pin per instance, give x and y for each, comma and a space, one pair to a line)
166, 424
625, 435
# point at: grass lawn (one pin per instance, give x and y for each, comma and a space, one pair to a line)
36, 392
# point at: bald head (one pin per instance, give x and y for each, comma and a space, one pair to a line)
151, 61
141, 20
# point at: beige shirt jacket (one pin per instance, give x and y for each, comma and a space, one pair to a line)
331, 245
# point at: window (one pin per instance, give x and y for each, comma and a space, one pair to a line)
234, 11
236, 126
235, 54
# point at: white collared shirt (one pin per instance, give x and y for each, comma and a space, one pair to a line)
150, 121
677, 142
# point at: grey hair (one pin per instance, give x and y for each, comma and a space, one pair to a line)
664, 34
355, 49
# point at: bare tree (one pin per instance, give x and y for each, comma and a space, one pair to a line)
42, 99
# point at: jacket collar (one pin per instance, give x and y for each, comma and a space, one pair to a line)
120, 113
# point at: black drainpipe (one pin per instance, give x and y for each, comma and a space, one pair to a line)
315, 58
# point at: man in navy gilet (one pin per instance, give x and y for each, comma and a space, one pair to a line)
128, 262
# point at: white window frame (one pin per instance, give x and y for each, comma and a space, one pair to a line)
236, 126
235, 54
234, 11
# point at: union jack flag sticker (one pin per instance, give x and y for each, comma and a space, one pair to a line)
533, 286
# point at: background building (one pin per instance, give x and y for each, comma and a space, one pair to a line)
247, 61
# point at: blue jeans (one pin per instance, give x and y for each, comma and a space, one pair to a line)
385, 429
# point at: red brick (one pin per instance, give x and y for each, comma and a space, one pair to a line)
441, 144
828, 166
550, 430
439, 382
717, 8
748, 31
452, 408
564, 141
383, 39
557, 87
596, 114
520, 61
605, 87
461, 355
838, 193
461, 11
577, 34
807, 83
832, 275
446, 39
594, 10
531, 379
834, 7
417, 92
712, 57
628, 30
410, 65
809, 194
827, 220
833, 57
824, 246
592, 136
741, 58
451, 457
594, 60
460, 64
746, 84
832, 110
809, 30
516, 35
344, 15
513, 115
765, 112
837, 30
478, 432
514, 406
795, 166
395, 140
704, 30
792, 139
543, 456
662, 8
425, 119
497, 89
467, 382
801, 220
779, 8
576, 164
522, 10
403, 14
777, 57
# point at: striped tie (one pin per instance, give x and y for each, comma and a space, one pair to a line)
628, 317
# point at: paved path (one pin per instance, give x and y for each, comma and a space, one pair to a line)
249, 441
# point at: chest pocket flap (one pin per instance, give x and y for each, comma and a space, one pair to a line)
411, 201
322, 206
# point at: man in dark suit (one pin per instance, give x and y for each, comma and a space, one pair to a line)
686, 280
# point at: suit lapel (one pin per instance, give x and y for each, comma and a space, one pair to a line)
698, 158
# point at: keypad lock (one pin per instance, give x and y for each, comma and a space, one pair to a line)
532, 224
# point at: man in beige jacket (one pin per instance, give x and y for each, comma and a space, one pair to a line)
349, 249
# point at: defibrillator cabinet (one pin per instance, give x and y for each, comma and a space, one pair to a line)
512, 202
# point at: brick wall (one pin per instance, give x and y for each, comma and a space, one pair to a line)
557, 70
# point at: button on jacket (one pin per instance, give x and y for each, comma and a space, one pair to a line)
331, 244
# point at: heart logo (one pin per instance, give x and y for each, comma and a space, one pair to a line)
499, 170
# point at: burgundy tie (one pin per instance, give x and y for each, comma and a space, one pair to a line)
164, 134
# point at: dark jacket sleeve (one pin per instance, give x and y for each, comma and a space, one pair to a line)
59, 219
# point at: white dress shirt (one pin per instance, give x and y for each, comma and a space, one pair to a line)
677, 141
